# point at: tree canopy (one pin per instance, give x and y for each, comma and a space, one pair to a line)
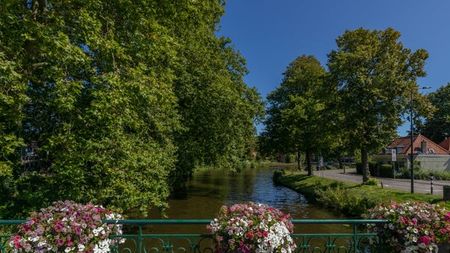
296, 112
356, 105
437, 127
122, 99
374, 74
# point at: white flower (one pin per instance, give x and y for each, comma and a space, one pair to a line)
68, 249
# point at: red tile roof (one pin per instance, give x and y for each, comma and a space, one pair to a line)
405, 144
445, 144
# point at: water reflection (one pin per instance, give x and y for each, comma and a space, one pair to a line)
209, 190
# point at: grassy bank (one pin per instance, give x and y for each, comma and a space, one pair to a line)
349, 199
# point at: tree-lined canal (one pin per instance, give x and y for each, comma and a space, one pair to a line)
208, 190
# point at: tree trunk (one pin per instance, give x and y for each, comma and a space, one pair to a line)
341, 166
298, 160
365, 164
308, 163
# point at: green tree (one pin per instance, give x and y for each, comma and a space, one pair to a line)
294, 117
122, 98
101, 104
437, 127
374, 74
12, 101
217, 108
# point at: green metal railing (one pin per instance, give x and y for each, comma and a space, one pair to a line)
163, 235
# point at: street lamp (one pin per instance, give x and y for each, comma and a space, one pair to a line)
411, 120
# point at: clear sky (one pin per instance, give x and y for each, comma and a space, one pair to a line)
272, 33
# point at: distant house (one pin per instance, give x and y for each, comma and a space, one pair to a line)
426, 152
422, 145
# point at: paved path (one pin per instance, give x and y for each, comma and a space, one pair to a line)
420, 186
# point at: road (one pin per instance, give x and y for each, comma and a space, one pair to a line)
420, 186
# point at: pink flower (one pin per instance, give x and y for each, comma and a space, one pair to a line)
59, 226
16, 241
447, 216
425, 240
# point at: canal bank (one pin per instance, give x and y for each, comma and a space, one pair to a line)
349, 199
208, 190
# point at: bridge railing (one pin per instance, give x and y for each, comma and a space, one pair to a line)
168, 235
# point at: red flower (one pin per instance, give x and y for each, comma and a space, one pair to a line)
16, 241
425, 240
447, 216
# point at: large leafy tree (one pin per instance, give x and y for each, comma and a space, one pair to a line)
295, 121
12, 101
101, 105
217, 108
437, 127
113, 93
374, 74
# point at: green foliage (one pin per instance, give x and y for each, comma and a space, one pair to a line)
277, 174
217, 108
375, 74
296, 109
122, 98
339, 199
371, 181
348, 197
12, 101
386, 170
423, 174
437, 127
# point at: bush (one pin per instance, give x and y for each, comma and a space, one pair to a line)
277, 174
386, 170
371, 181
424, 174
339, 199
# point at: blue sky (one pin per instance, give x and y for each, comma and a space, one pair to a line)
272, 33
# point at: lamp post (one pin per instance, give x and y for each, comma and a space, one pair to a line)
411, 133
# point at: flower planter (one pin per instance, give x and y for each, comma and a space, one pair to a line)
252, 227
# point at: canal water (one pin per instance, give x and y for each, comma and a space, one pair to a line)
208, 190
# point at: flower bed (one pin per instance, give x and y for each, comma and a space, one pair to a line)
412, 227
252, 227
67, 227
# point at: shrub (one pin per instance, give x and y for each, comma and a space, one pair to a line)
340, 199
424, 174
386, 170
67, 227
412, 227
371, 181
277, 174
252, 227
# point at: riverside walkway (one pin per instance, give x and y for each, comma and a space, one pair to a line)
420, 186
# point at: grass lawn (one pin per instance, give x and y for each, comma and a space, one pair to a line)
351, 199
